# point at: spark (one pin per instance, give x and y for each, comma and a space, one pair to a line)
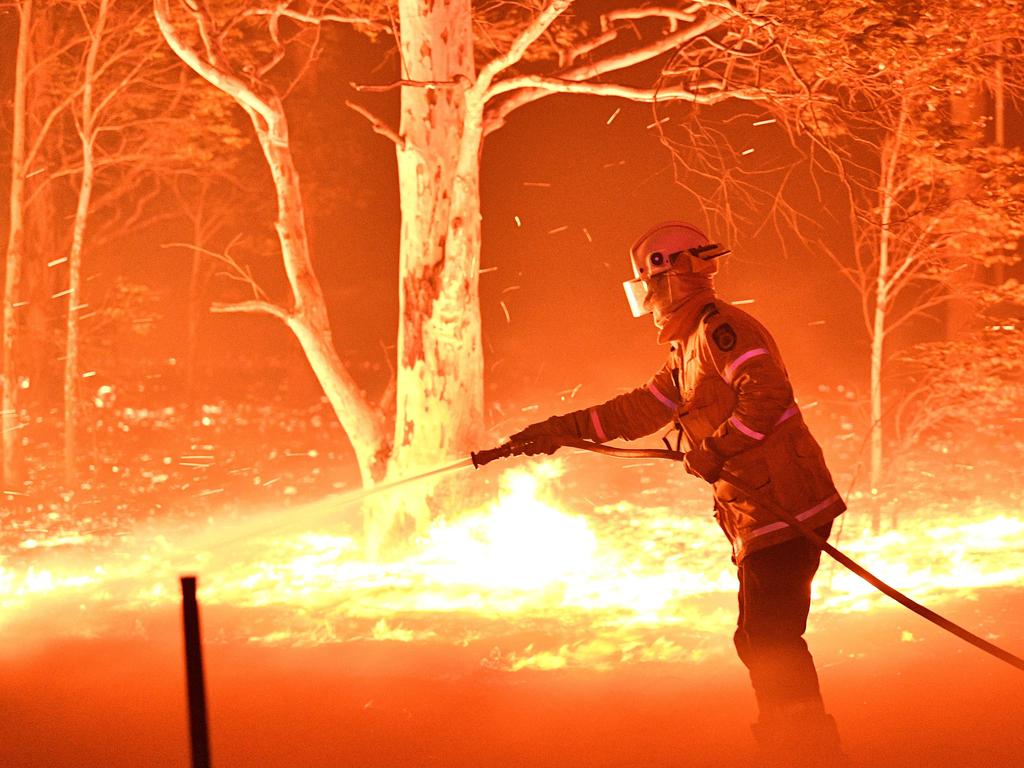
55, 262
570, 392
210, 492
742, 301
88, 374
488, 269
536, 184
519, 221
18, 304
61, 293
508, 318
511, 288
747, 151
613, 116
769, 121
586, 233
612, 165
809, 405
528, 408
816, 322
658, 122
556, 230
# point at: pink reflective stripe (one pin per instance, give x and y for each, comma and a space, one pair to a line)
735, 364
745, 429
661, 398
596, 421
789, 413
772, 527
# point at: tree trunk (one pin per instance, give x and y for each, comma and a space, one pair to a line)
71, 345
71, 350
967, 113
891, 158
15, 251
308, 318
439, 406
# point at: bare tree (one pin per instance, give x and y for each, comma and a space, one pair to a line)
464, 68
15, 243
873, 92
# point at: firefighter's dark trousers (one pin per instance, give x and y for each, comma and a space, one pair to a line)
774, 599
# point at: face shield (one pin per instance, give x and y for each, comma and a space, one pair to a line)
673, 247
637, 289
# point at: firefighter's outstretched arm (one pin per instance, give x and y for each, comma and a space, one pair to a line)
634, 414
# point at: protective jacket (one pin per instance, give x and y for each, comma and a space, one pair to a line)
725, 385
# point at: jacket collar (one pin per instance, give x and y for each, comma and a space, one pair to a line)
684, 319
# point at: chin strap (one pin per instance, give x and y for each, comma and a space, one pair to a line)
513, 449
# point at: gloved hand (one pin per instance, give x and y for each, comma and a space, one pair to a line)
704, 463
546, 444
543, 436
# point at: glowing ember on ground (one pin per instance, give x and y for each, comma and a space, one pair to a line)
553, 586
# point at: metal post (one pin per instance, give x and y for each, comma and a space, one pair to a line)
194, 673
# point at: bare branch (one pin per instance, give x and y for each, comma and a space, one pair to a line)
524, 95
378, 125
636, 14
205, 68
312, 18
252, 307
429, 85
541, 22
711, 95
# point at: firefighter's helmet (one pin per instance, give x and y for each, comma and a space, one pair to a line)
672, 247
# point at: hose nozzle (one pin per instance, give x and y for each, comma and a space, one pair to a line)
487, 456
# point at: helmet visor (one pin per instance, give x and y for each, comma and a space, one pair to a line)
636, 293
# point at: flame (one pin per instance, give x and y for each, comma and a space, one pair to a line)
543, 585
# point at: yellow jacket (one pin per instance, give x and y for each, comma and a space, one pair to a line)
726, 386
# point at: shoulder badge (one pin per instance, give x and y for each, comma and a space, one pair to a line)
724, 337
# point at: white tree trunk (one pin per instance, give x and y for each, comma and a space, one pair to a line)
439, 404
15, 249
891, 158
307, 318
877, 357
87, 134
74, 298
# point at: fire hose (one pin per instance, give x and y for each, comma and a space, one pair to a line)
511, 449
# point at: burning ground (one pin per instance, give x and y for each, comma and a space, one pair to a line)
576, 595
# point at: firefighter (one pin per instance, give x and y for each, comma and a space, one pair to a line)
726, 389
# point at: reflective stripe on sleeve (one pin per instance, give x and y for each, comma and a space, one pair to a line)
596, 421
745, 429
787, 414
661, 398
734, 366
772, 527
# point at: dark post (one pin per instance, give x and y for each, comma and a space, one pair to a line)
194, 672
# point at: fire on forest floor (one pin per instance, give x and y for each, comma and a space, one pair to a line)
556, 579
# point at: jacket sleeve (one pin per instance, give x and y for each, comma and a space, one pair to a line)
639, 412
745, 360
634, 414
